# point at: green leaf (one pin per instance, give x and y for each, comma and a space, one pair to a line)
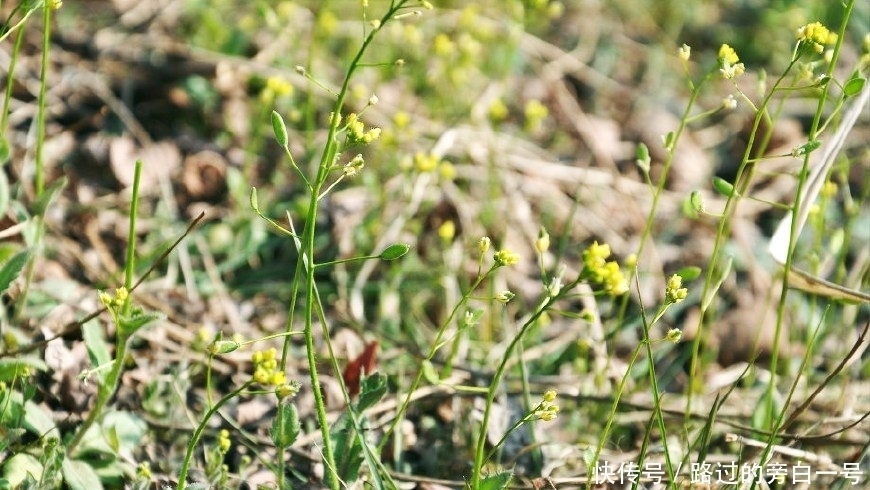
394, 251
41, 204
128, 429
372, 389
132, 323
697, 202
643, 158
5, 151
496, 481
98, 349
285, 426
280, 129
347, 448
429, 373
12, 267
711, 293
11, 368
19, 466
723, 187
689, 273
254, 205
79, 475
669, 141
854, 86
38, 421
4, 186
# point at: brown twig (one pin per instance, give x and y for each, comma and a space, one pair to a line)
72, 327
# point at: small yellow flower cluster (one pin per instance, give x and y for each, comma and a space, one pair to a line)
143, 471
356, 131
224, 442
547, 410
816, 35
608, 274
266, 373
674, 335
675, 291
426, 162
443, 46
354, 166
276, 87
535, 112
506, 257
829, 190
266, 368
497, 111
447, 231
729, 63
121, 295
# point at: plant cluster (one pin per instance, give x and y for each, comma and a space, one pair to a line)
477, 298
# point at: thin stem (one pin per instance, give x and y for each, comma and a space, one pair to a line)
306, 263
130, 265
494, 386
197, 433
436, 346
721, 232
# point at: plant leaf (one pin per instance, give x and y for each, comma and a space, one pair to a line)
854, 86
374, 387
12, 267
285, 426
11, 368
496, 481
79, 475
98, 350
16, 469
132, 323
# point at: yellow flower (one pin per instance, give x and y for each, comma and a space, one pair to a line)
727, 55
443, 46
542, 244
506, 257
684, 52
675, 292
596, 255
497, 111
729, 62
816, 35
224, 441
425, 162
483, 244
447, 230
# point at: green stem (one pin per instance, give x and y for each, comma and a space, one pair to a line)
105, 391
494, 386
793, 234
122, 337
197, 433
436, 346
43, 88
612, 416
306, 257
721, 232
130, 265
